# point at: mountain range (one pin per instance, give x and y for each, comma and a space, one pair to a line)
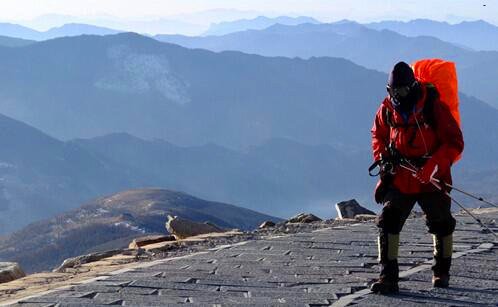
478, 35
369, 45
276, 135
280, 177
41, 176
192, 23
360, 44
258, 23
70, 29
112, 222
87, 86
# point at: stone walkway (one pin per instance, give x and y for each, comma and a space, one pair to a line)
332, 266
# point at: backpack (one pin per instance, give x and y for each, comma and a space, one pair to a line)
442, 75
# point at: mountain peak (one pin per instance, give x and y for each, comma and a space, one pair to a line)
345, 21
113, 221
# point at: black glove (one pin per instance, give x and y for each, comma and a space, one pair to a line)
386, 174
380, 192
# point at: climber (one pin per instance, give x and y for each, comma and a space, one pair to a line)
412, 123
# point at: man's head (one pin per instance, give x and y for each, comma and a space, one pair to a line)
402, 86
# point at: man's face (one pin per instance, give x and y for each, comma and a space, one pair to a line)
401, 95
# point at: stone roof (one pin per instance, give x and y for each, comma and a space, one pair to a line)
330, 266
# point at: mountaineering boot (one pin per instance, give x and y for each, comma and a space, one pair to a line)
443, 250
389, 271
442, 281
388, 280
384, 287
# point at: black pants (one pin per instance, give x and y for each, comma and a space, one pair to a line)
397, 208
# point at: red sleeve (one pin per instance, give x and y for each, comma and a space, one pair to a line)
380, 134
448, 133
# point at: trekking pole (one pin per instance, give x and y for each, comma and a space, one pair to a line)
473, 216
438, 186
468, 194
457, 189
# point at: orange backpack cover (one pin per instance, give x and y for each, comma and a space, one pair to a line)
442, 74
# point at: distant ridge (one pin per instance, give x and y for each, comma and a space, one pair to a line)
14, 42
75, 29
70, 29
257, 23
478, 35
18, 31
375, 49
42, 176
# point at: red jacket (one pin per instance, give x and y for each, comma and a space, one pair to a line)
443, 140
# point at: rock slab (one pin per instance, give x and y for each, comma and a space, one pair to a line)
10, 271
351, 208
183, 228
147, 240
76, 261
267, 224
304, 218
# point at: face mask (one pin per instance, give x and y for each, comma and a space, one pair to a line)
403, 96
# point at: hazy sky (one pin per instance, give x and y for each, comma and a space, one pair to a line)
326, 10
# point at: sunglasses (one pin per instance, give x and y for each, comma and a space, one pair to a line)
400, 92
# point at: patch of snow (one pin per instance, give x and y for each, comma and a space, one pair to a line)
131, 227
140, 73
102, 211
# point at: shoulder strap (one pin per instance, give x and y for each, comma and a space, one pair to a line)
388, 117
428, 111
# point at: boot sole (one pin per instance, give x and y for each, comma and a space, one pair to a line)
380, 289
440, 285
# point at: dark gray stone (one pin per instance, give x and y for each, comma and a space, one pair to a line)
183, 228
10, 271
350, 208
76, 261
304, 218
147, 240
267, 224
